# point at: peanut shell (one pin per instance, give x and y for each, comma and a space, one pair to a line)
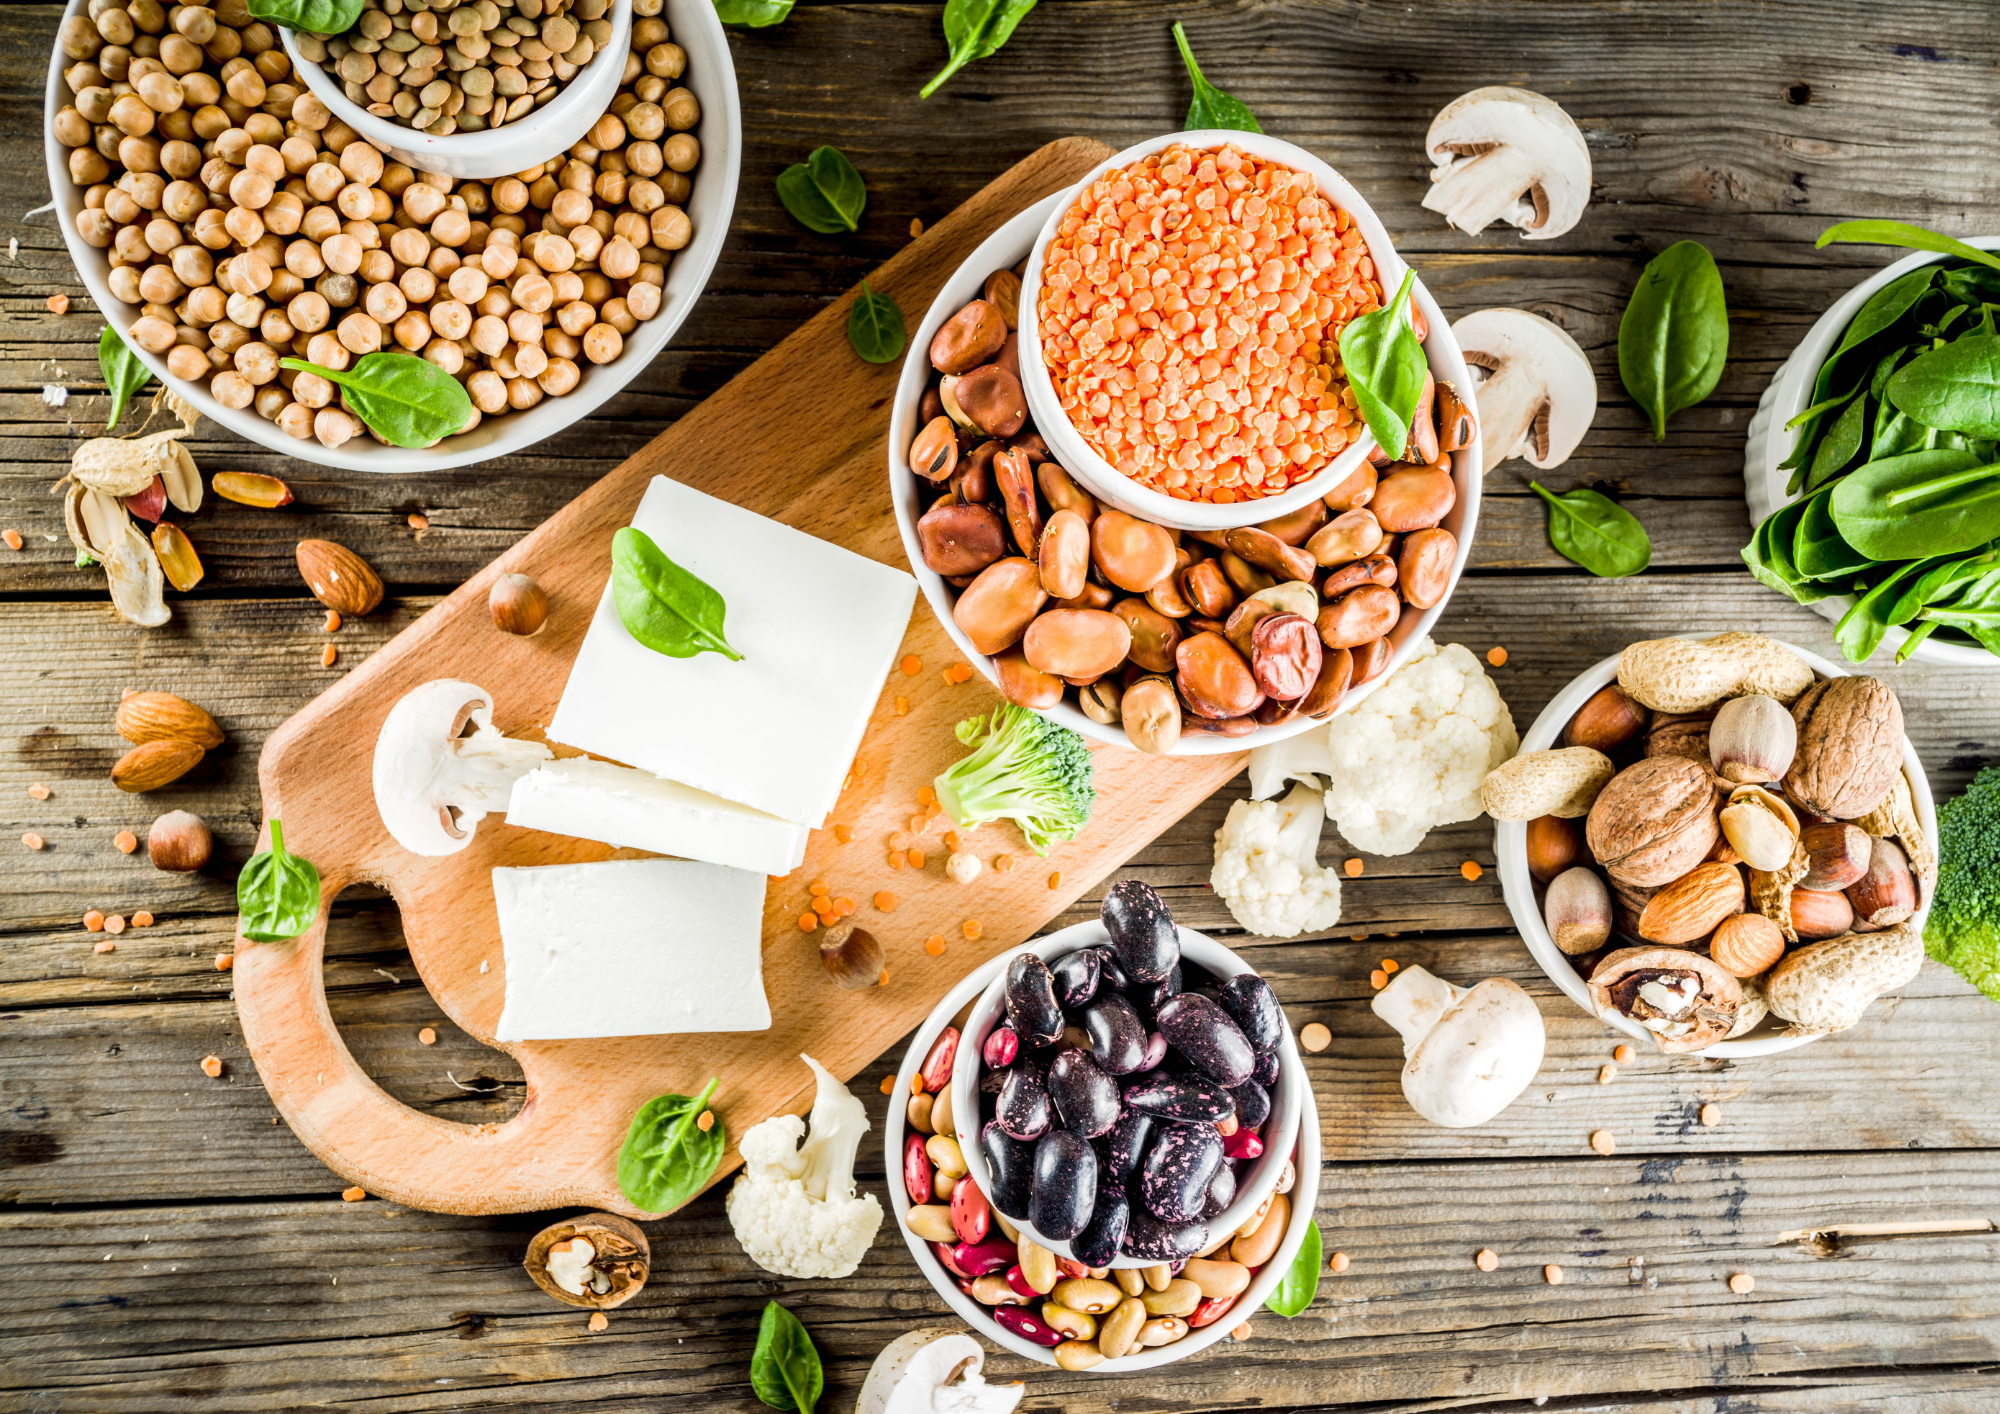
1680, 675
1536, 783
1825, 987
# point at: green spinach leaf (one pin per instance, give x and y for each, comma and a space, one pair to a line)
1769, 553
1860, 630
1211, 107
824, 193
753, 14
667, 1156
1842, 441
1942, 578
665, 607
1596, 532
1971, 284
875, 327
1296, 1289
1942, 502
975, 30
1885, 307
407, 401
1955, 388
1674, 337
1901, 233
1385, 366
123, 374
1896, 433
309, 16
785, 1370
1818, 550
277, 892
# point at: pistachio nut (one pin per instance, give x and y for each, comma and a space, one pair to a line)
1759, 826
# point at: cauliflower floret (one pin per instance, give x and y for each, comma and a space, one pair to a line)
1412, 756
794, 1208
1266, 866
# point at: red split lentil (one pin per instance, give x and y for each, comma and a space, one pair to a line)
142, 919
934, 945
1190, 310
912, 665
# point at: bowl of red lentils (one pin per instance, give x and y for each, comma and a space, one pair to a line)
1179, 326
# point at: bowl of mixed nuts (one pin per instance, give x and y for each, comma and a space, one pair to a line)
1725, 845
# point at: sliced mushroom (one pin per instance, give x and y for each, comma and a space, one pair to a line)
929, 1369
1505, 154
1539, 395
434, 780
1468, 1053
1685, 1001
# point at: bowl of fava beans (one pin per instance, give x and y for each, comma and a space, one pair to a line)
231, 226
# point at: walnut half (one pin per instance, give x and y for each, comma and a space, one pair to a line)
597, 1260
1684, 1000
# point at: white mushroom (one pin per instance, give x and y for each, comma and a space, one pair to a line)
434, 782
1467, 1054
933, 1372
1539, 394
1505, 154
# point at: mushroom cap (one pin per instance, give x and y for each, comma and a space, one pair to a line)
1512, 154
918, 1363
410, 752
1540, 393
1715, 1009
1477, 1056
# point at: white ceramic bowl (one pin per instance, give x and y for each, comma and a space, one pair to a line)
713, 79
1770, 443
554, 127
1304, 1195
1511, 849
1099, 477
1005, 249
1287, 1096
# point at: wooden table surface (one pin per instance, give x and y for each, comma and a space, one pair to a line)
168, 1245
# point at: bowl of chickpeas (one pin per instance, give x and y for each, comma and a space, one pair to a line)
225, 220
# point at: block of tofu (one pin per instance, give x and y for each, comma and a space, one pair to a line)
630, 947
818, 627
596, 800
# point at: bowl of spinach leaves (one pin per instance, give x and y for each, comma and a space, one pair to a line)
1873, 466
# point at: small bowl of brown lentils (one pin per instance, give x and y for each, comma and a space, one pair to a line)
475, 89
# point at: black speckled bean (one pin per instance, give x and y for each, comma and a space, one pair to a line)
1147, 998
1065, 1191
1202, 1031
1097, 1245
1142, 931
1174, 1179
1031, 1001
1011, 1163
1221, 1191
1113, 975
1250, 1001
1086, 1099
1151, 1240
1191, 1099
1266, 1072
1253, 1104
1125, 1145
1117, 1036
1077, 977
1023, 1109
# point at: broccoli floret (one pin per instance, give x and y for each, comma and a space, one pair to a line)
1023, 768
1963, 932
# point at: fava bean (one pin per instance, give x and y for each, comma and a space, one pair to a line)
1243, 576
1414, 499
1371, 660
997, 607
1154, 635
1064, 555
1214, 679
1350, 536
1133, 554
1025, 685
1423, 440
1151, 714
1376, 569
1077, 643
1358, 616
1456, 424
1291, 597
1355, 490
1423, 565
1241, 626
1285, 655
1094, 596
934, 450
1014, 478
1336, 671
1208, 590
1297, 527
969, 338
974, 479
1270, 554
1062, 492
1166, 597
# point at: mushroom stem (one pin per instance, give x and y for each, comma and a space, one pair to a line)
1414, 1003
1510, 399
1472, 193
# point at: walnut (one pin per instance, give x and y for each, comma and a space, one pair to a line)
1683, 999
597, 1260
1850, 747
1685, 734
1655, 820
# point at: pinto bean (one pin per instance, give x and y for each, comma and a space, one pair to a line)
1355, 490
974, 479
992, 400
1205, 587
969, 338
1297, 527
1358, 615
1376, 569
1371, 660
1166, 596
1285, 655
934, 450
1270, 554
961, 539
1077, 643
1422, 447
1241, 625
1243, 576
997, 607
1133, 554
1014, 478
1456, 424
1414, 499
1336, 671
1024, 684
1214, 679
1155, 636
1151, 714
1062, 493
1064, 555
1349, 536
1423, 565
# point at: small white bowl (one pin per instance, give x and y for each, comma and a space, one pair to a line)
1110, 485
555, 127
1510, 847
1005, 249
1770, 443
1287, 1096
1304, 1195
712, 77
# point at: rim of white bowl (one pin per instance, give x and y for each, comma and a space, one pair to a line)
711, 75
1304, 1198
1282, 1123
1003, 250
1791, 385
539, 135
1517, 885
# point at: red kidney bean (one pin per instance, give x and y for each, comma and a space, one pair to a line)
969, 338
1355, 490
1154, 635
1208, 589
1423, 565
919, 1175
1376, 569
1062, 492
1002, 1045
944, 1253
1415, 498
1355, 617
971, 1217
1336, 671
1370, 659
997, 607
1297, 527
1285, 655
934, 450
1243, 1144
1272, 555
1133, 554
1210, 1310
1077, 643
1028, 1326
991, 399
976, 1259
1017, 1281
974, 479
1213, 677
937, 1065
961, 539
1064, 554
1025, 685
1014, 478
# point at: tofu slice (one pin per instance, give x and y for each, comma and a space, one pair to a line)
818, 627
630, 947
596, 800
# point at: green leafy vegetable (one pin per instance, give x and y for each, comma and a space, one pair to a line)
1596, 532
1385, 366
875, 327
1924, 503
1904, 234
1955, 387
975, 30
1023, 768
665, 607
407, 401
824, 193
753, 14
1300, 1283
667, 1155
277, 893
123, 374
784, 1368
1963, 931
1211, 107
1842, 441
1819, 550
309, 16
1674, 336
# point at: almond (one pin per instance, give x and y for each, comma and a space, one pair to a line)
161, 716
339, 578
1693, 905
153, 764
1747, 945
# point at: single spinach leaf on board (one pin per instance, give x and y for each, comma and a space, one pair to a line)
1385, 367
277, 892
1210, 106
785, 1369
1940, 502
752, 14
1842, 441
1817, 549
1296, 1289
824, 193
1594, 531
309, 16
875, 327
123, 374
1674, 336
667, 608
407, 401
975, 30
1902, 233
1955, 388
667, 1156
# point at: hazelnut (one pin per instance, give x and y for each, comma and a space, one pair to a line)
597, 1260
1747, 945
1685, 1000
518, 605
1554, 844
1752, 739
1837, 854
1607, 721
179, 842
1887, 893
851, 956
1577, 909
1759, 826
1817, 915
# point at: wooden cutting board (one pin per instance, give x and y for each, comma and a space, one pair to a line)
799, 436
